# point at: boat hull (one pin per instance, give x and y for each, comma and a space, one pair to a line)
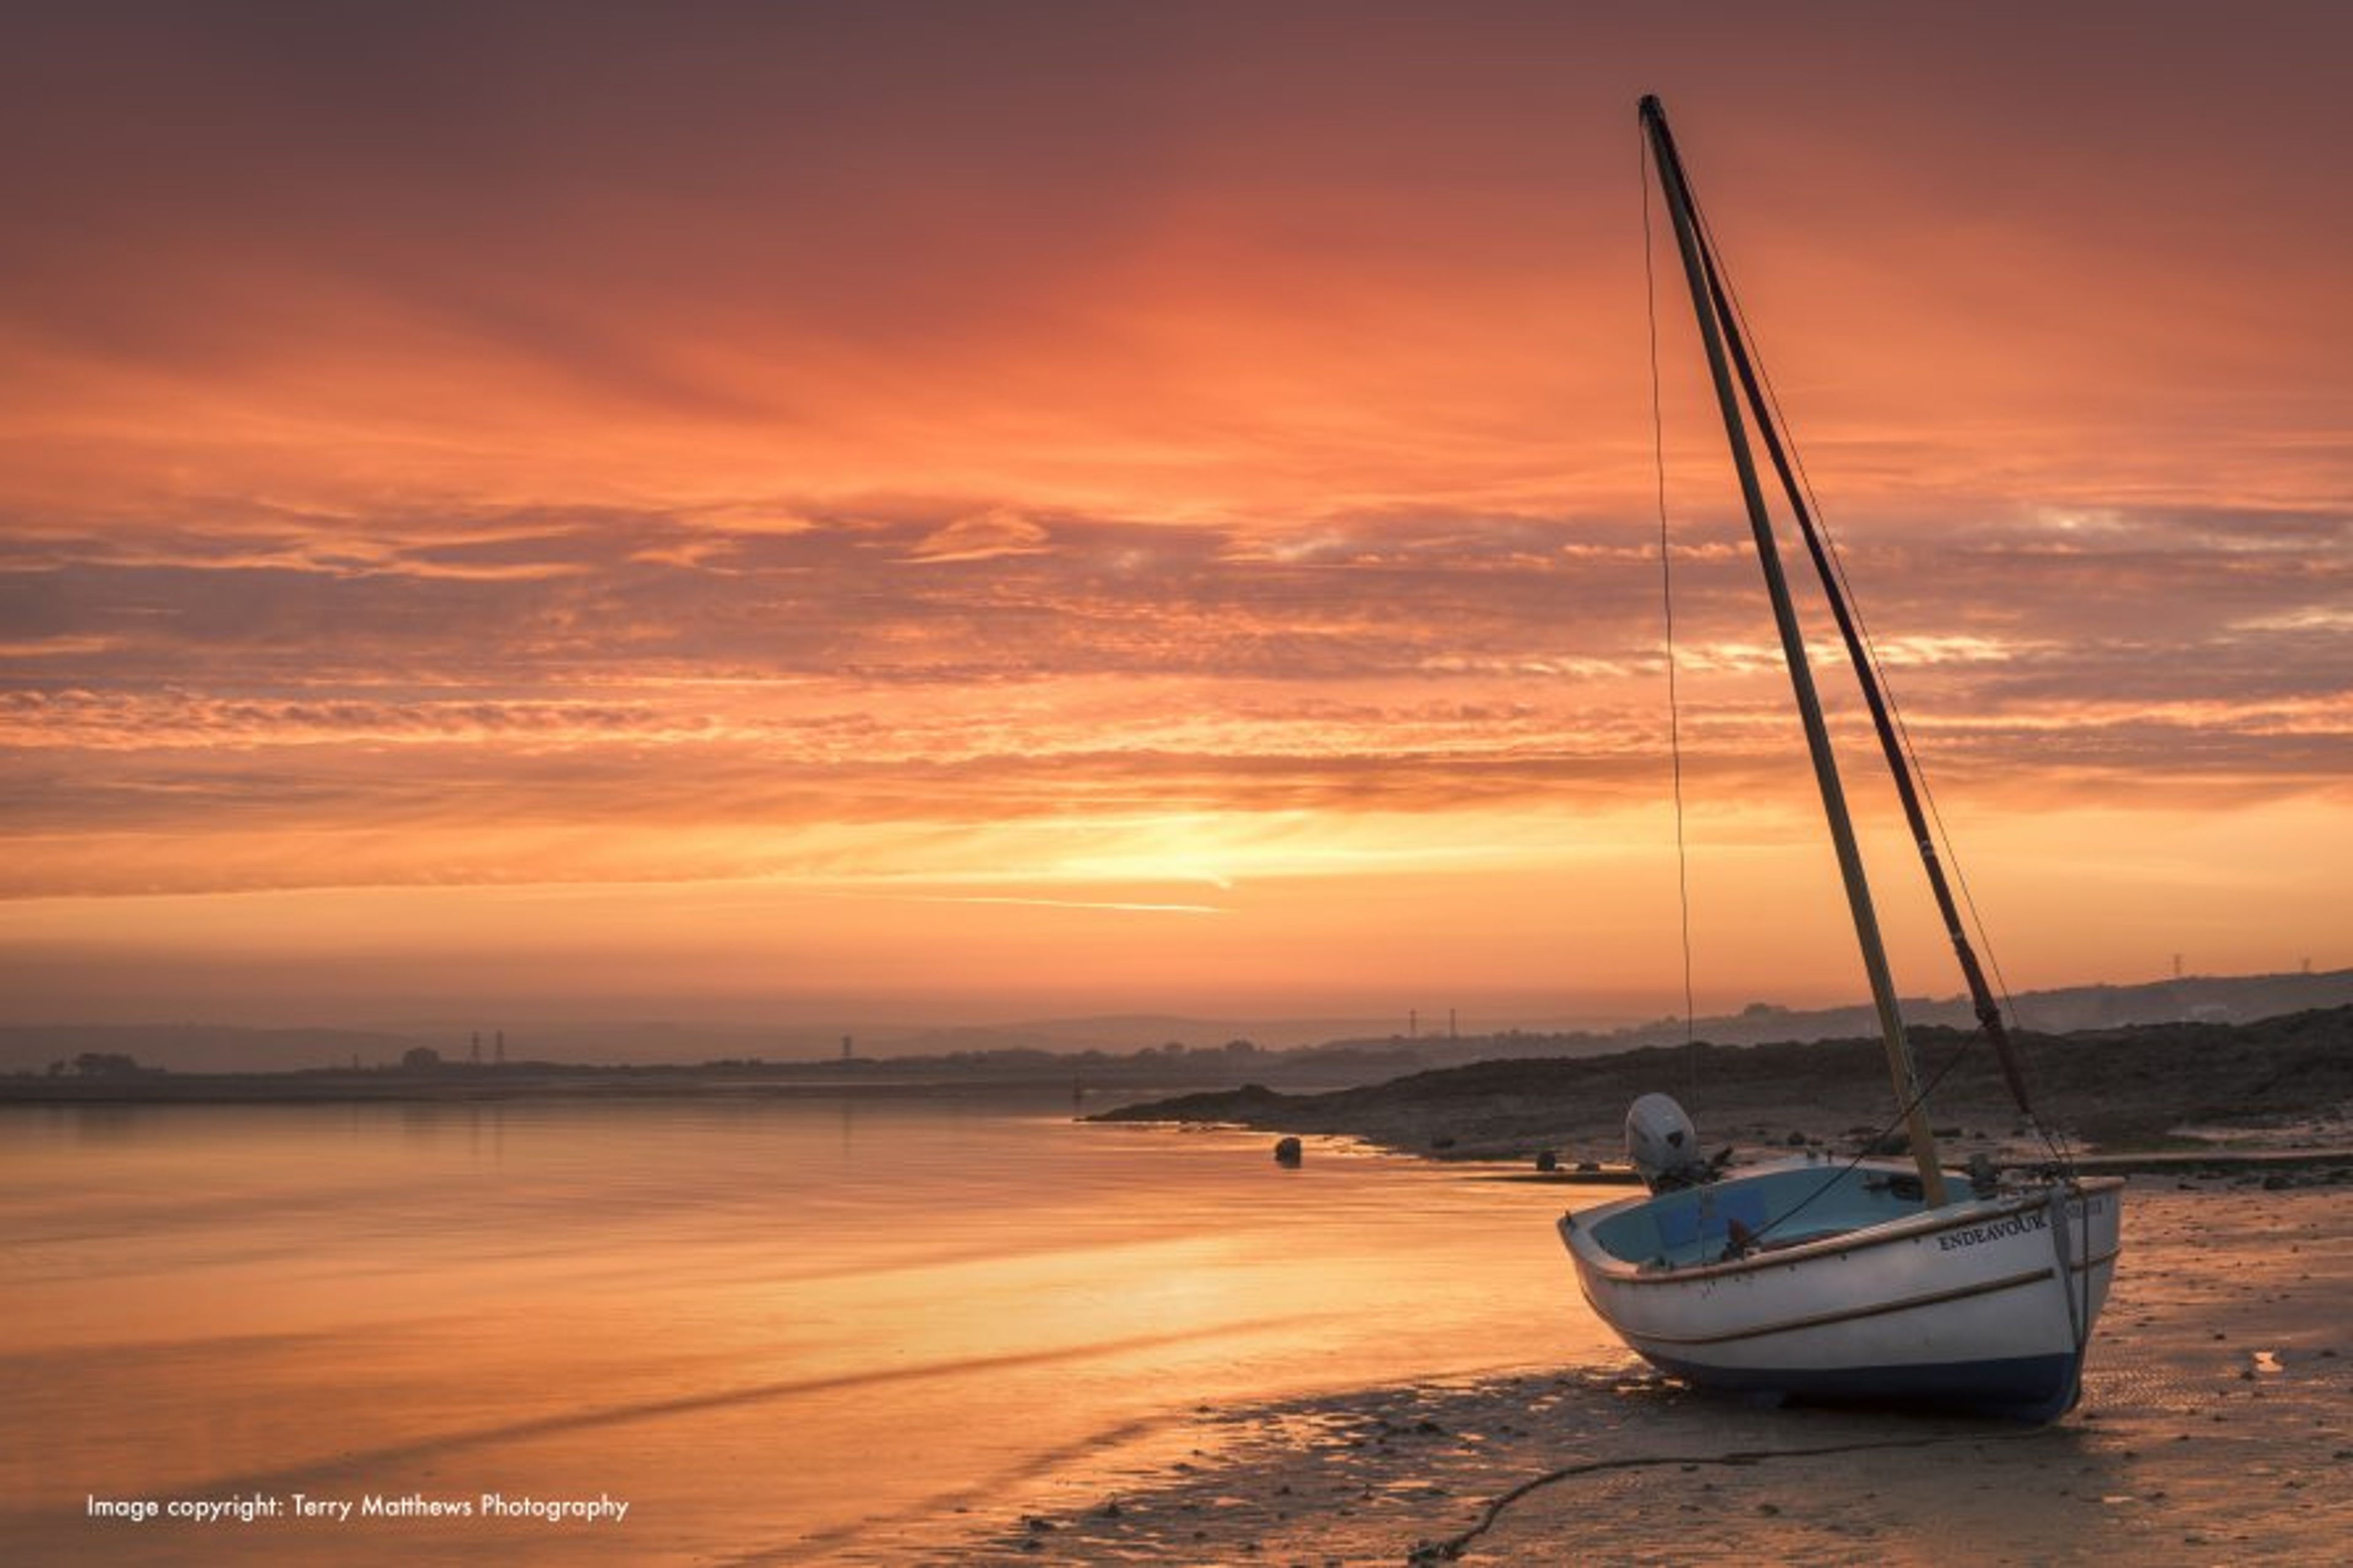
1985, 1305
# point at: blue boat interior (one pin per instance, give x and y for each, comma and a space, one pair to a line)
1763, 1210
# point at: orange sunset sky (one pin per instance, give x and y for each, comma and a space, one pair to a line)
979, 511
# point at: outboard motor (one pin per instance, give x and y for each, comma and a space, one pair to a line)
1663, 1144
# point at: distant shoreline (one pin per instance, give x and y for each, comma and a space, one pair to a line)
501, 1085
2192, 1089
1165, 1051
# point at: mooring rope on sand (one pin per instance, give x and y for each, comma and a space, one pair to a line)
1453, 1546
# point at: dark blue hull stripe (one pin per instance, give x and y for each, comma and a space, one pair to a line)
2024, 1388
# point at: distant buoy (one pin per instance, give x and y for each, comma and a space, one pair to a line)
1287, 1151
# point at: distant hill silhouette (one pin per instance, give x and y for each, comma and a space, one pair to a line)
2207, 999
1281, 1048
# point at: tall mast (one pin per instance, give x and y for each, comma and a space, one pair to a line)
1891, 744
1715, 326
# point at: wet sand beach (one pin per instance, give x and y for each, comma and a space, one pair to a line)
2216, 1426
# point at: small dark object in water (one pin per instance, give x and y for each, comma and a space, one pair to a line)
1443, 1141
1547, 1160
1287, 1151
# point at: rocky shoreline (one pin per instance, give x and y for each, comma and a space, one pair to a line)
2183, 1091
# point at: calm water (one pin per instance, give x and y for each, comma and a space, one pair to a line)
777, 1331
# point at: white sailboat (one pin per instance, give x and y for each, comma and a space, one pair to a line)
1872, 1279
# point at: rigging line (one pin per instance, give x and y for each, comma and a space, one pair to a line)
1861, 642
1870, 1150
1863, 627
1871, 1146
1667, 603
1950, 850
1894, 733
